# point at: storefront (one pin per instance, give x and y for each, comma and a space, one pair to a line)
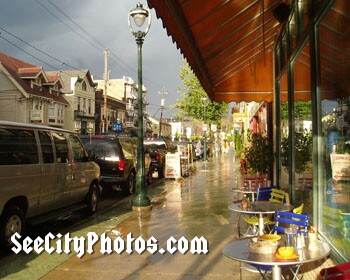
312, 103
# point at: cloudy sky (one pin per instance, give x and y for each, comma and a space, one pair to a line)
68, 34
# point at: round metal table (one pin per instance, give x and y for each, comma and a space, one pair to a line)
239, 250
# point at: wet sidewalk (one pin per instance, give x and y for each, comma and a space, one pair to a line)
196, 207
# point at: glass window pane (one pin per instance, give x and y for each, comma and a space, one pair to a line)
18, 146
302, 134
46, 146
335, 159
284, 180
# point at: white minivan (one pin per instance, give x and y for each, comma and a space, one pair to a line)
44, 172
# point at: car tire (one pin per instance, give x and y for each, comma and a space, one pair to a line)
12, 221
162, 172
92, 200
129, 186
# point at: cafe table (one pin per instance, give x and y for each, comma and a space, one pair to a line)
239, 250
260, 208
246, 190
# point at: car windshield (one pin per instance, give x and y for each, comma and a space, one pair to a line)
155, 145
102, 148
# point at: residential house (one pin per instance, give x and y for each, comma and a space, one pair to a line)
79, 90
28, 94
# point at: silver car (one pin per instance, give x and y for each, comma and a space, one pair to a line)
43, 171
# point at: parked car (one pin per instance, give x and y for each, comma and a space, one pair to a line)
44, 173
158, 148
117, 157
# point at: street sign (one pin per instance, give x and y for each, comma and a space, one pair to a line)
117, 127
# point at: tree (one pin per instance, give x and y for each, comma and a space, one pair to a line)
303, 152
191, 104
259, 155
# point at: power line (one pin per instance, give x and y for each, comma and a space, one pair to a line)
114, 57
77, 33
76, 24
37, 58
118, 60
92, 42
37, 49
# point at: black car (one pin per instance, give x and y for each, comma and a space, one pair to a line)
158, 148
116, 156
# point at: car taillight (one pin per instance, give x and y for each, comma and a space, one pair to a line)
158, 156
121, 165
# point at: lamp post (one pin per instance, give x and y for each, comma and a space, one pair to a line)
139, 15
204, 101
163, 92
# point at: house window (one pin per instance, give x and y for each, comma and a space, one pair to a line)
84, 105
83, 86
78, 107
37, 104
51, 111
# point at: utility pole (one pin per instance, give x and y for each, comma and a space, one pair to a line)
162, 92
105, 76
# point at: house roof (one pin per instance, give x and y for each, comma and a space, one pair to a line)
66, 76
228, 44
22, 72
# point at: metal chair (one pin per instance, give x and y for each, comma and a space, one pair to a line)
253, 225
277, 195
299, 210
337, 272
263, 193
285, 220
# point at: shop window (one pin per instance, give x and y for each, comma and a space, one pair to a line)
302, 134
334, 45
284, 159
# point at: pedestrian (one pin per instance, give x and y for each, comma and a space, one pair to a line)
225, 146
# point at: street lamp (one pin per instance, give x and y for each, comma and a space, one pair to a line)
163, 92
139, 15
204, 101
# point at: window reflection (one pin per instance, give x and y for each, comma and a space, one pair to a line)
284, 180
335, 160
302, 134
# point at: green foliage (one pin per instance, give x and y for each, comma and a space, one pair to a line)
303, 141
259, 156
177, 136
191, 104
302, 111
195, 137
238, 144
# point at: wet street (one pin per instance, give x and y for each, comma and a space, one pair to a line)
196, 207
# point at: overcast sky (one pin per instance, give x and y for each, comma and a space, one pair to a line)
74, 33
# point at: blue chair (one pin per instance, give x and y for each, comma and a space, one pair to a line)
285, 220
264, 193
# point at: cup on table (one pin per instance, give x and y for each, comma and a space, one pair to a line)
290, 237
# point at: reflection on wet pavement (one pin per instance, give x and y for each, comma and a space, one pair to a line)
196, 207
